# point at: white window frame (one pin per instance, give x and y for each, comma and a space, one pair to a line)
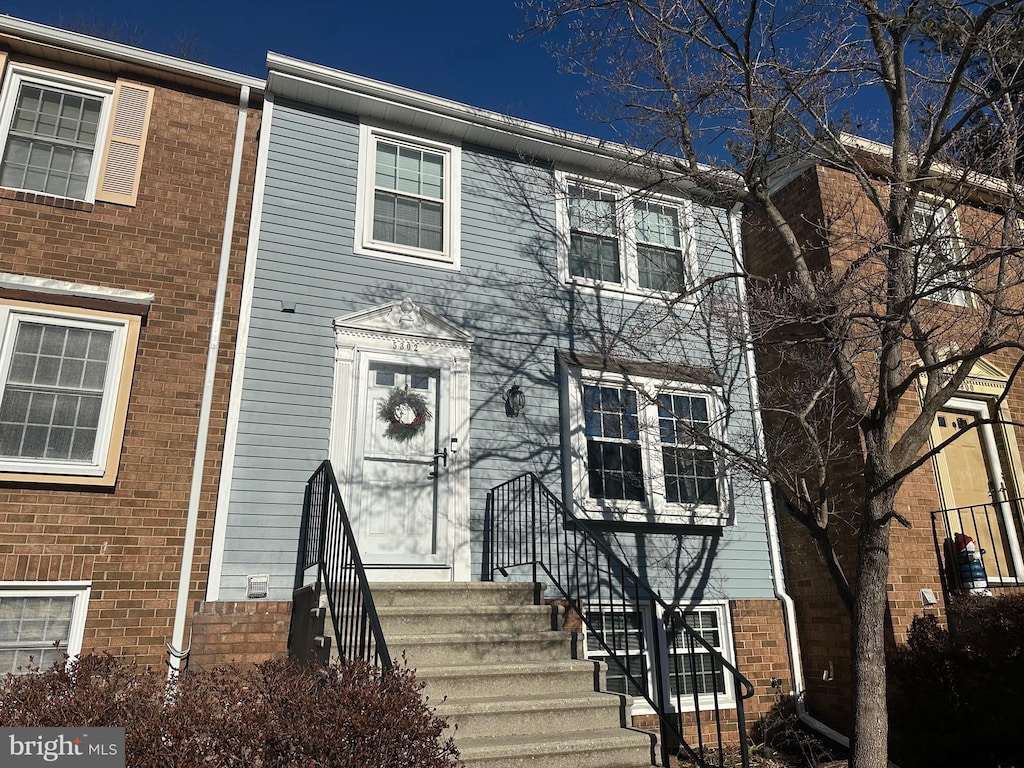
625, 200
655, 508
79, 590
11, 315
17, 75
652, 619
946, 230
365, 244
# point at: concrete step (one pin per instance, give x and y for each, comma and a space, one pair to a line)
464, 594
445, 619
514, 680
554, 713
483, 648
607, 748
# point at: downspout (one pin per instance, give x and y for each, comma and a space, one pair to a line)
771, 522
175, 649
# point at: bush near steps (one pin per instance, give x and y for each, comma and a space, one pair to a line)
278, 714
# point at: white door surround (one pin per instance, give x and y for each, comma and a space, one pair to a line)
402, 336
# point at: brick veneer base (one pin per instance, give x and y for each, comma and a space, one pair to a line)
244, 632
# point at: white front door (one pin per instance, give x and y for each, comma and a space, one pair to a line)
405, 484
402, 459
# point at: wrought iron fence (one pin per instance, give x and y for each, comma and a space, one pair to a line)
327, 543
695, 691
978, 547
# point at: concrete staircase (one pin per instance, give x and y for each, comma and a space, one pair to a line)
495, 668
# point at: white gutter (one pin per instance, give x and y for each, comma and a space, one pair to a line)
771, 521
175, 647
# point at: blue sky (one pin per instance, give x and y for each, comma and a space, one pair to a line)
457, 49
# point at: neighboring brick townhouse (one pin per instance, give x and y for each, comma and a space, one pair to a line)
125, 186
972, 487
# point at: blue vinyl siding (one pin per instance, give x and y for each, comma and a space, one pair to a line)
505, 294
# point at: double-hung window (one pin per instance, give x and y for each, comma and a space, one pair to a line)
938, 254
622, 639
621, 241
72, 137
408, 198
52, 139
614, 460
659, 248
65, 376
594, 251
693, 669
39, 623
644, 449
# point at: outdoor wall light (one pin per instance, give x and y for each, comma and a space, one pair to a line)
515, 401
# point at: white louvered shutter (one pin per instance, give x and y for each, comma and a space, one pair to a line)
126, 144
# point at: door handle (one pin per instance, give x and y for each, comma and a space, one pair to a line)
443, 456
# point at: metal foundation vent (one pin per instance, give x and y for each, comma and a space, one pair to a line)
258, 586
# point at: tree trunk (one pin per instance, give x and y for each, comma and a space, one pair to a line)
870, 713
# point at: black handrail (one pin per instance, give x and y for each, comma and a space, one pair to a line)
529, 526
327, 542
985, 524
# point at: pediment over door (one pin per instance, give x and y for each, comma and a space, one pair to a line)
402, 318
985, 378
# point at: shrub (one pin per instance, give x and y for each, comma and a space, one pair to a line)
278, 714
955, 696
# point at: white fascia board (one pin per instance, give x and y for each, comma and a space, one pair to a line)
81, 290
73, 41
365, 97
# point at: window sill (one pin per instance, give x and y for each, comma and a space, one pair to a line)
53, 201
635, 514
407, 256
641, 707
618, 289
106, 480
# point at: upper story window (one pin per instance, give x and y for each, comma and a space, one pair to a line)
938, 254
621, 242
643, 449
71, 137
64, 380
594, 251
659, 247
408, 199
52, 129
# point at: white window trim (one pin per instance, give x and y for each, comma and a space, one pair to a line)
80, 590
450, 256
18, 74
657, 510
949, 228
10, 316
626, 225
650, 619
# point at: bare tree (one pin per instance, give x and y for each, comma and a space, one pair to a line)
872, 339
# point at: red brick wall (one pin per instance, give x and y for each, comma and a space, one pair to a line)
128, 540
823, 620
243, 632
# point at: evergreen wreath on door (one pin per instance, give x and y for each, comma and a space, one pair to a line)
406, 414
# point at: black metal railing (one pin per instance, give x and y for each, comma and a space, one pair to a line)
531, 528
326, 542
993, 529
